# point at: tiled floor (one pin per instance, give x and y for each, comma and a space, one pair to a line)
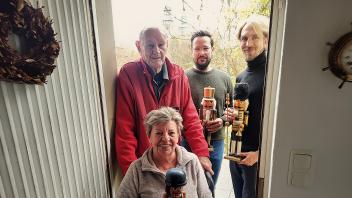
224, 185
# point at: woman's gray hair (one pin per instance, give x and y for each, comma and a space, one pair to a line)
162, 115
259, 23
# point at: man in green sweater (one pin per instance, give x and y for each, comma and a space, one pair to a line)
203, 75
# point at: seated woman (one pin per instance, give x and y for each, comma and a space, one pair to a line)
146, 176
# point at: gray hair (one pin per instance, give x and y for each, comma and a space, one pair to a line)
147, 29
259, 23
162, 115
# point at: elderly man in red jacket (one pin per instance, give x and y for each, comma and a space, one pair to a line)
147, 84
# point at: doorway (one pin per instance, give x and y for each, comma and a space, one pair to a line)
180, 19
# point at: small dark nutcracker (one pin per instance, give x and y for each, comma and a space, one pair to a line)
175, 179
207, 112
241, 121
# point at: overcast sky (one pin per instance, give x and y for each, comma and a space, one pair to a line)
130, 16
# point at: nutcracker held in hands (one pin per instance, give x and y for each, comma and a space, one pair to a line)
207, 112
239, 124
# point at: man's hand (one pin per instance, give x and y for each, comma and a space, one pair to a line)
206, 164
250, 158
213, 125
230, 114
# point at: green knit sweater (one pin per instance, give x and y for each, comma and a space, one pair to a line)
214, 78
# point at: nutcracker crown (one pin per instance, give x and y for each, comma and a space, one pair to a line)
209, 92
241, 91
175, 177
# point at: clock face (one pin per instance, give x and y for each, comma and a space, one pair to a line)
345, 58
340, 58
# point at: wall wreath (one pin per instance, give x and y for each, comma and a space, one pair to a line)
35, 61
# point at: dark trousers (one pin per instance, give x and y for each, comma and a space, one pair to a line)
244, 180
216, 157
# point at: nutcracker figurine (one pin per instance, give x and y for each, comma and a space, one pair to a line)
227, 123
241, 121
175, 179
207, 111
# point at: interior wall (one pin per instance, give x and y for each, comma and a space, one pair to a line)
312, 113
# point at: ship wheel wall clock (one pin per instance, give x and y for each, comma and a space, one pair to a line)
340, 58
31, 59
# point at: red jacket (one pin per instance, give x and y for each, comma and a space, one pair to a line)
135, 98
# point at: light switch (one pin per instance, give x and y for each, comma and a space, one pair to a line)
299, 179
301, 162
300, 168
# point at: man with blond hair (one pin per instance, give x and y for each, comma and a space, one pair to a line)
253, 35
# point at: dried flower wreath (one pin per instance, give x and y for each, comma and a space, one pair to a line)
40, 46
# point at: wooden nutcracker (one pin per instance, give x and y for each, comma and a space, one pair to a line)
175, 179
227, 123
241, 121
207, 112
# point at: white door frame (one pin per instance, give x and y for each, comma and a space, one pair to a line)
272, 90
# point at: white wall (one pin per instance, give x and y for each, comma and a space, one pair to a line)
312, 112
